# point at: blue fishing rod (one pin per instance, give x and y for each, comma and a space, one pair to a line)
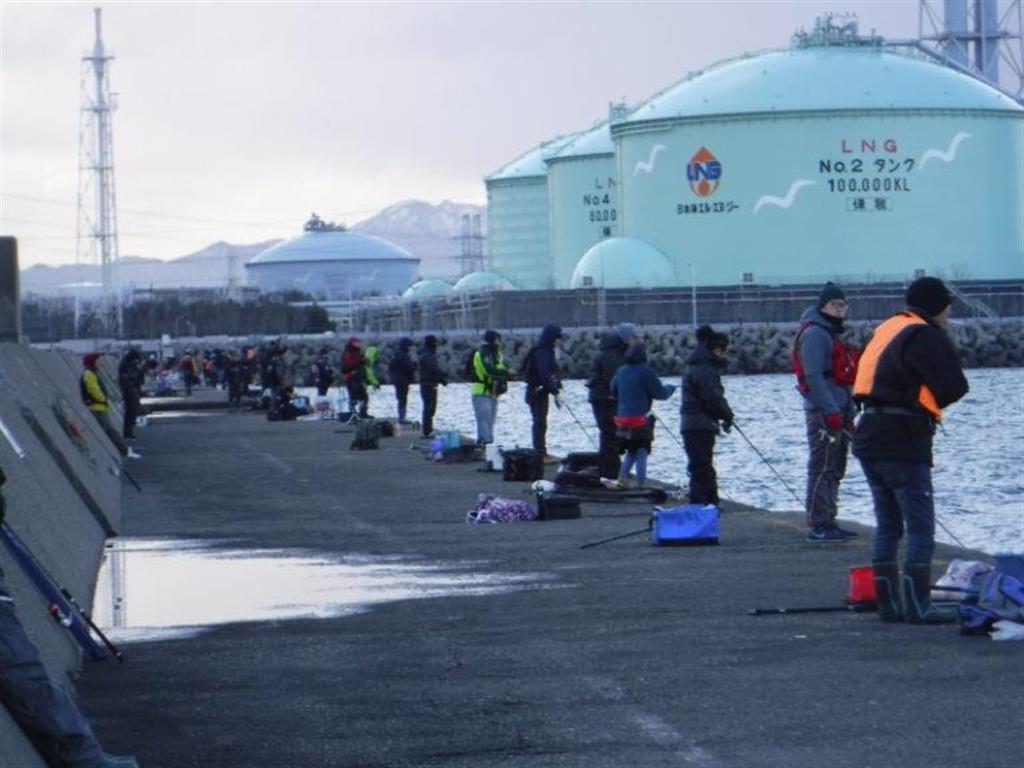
60, 603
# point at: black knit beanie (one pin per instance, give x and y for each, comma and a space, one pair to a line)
829, 292
929, 294
491, 337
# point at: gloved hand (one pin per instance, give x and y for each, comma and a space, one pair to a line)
834, 421
727, 427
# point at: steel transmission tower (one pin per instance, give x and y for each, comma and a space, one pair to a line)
984, 38
97, 202
471, 255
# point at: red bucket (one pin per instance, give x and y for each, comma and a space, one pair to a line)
862, 586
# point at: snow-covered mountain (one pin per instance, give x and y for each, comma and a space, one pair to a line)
425, 230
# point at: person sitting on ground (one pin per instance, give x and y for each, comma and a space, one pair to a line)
540, 369
94, 395
46, 713
401, 374
611, 356
431, 374
635, 386
490, 377
282, 408
704, 408
353, 376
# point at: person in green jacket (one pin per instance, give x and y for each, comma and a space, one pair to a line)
489, 381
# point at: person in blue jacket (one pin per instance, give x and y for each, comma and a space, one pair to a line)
540, 369
635, 386
704, 409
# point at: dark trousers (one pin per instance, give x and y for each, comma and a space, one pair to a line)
45, 712
539, 411
402, 396
357, 394
132, 406
902, 492
608, 461
826, 465
428, 392
235, 394
700, 451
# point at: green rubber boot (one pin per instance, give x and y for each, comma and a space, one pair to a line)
917, 592
887, 590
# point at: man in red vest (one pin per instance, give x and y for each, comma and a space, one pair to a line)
909, 372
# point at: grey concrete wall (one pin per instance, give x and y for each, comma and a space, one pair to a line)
10, 311
46, 510
754, 348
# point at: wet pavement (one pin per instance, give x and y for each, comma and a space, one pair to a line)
623, 656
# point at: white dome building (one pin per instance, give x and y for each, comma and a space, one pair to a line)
332, 263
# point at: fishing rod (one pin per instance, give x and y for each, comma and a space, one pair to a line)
114, 650
851, 608
616, 538
579, 423
768, 463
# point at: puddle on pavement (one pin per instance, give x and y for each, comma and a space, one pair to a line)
159, 589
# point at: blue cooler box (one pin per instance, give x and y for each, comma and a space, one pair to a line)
688, 525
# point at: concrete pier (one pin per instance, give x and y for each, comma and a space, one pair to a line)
625, 656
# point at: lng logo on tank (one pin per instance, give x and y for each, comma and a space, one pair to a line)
704, 172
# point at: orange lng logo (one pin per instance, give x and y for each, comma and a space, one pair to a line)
704, 173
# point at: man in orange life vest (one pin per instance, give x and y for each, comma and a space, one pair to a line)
909, 372
825, 368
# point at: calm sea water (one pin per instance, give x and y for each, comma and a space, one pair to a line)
979, 451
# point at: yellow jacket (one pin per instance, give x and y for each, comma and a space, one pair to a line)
93, 393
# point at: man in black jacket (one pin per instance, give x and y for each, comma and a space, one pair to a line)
909, 372
402, 373
130, 377
540, 369
612, 355
431, 375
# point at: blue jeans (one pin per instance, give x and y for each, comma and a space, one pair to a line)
485, 408
902, 491
638, 457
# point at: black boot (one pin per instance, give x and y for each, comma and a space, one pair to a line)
917, 590
887, 590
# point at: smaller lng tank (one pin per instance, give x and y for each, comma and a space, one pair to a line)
582, 195
841, 156
518, 227
332, 263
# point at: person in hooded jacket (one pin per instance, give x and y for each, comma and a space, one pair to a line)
353, 376
703, 411
130, 376
431, 374
323, 373
635, 387
540, 369
825, 368
910, 371
612, 355
402, 373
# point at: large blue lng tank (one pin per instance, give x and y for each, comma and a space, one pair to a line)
840, 157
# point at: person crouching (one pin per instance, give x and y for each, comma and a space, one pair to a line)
635, 386
704, 407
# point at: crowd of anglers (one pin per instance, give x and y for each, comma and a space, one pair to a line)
883, 402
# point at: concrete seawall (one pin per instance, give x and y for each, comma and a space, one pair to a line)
754, 348
59, 493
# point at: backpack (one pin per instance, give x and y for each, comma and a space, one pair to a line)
1000, 598
367, 436
468, 368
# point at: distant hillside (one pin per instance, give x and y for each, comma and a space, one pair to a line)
425, 230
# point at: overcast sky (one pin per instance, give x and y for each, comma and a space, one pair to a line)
235, 120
